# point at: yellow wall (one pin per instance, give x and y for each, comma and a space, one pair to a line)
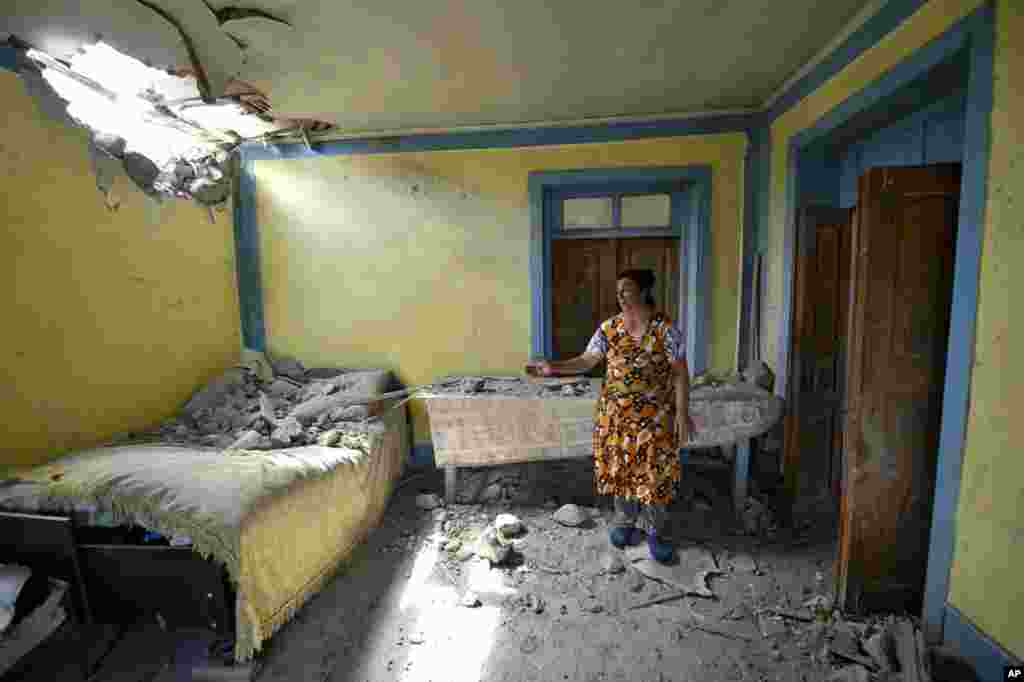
419, 262
110, 320
986, 579
985, 582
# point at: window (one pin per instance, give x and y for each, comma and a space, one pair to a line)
617, 212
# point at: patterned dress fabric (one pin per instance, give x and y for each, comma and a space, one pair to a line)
635, 451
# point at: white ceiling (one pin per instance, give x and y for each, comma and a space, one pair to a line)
395, 65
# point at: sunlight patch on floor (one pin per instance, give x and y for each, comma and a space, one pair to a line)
450, 643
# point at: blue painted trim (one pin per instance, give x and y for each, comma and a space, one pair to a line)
538, 323
695, 254
8, 58
788, 269
619, 234
985, 656
963, 322
698, 249
757, 149
904, 73
502, 139
422, 456
247, 259
887, 19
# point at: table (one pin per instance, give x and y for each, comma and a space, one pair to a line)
493, 429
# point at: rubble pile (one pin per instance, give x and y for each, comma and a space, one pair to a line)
296, 407
568, 387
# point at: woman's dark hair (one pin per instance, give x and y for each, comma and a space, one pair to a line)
643, 279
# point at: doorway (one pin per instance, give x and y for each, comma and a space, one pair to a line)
873, 291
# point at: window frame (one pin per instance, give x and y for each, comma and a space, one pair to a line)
690, 188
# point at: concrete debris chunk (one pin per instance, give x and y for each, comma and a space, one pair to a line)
287, 430
214, 393
879, 648
743, 563
571, 515
250, 440
508, 525
267, 409
491, 547
635, 580
470, 600
492, 493
851, 673
289, 367
280, 388
350, 413
472, 385
428, 501
535, 603
771, 627
329, 438
612, 563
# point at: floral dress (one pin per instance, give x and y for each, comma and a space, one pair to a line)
635, 451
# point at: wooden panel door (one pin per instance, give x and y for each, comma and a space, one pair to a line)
902, 276
583, 278
821, 303
661, 256
578, 293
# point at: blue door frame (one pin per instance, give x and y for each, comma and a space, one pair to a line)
976, 34
694, 254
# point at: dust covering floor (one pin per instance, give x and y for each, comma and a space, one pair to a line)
416, 605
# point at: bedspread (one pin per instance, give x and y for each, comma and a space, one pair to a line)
281, 521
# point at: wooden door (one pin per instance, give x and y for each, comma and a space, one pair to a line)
902, 277
583, 278
577, 292
661, 256
821, 303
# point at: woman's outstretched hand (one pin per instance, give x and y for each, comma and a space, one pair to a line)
540, 368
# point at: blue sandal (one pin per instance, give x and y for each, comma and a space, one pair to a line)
623, 536
661, 551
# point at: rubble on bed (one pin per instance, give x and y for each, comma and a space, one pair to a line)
240, 411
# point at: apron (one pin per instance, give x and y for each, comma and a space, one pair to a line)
635, 451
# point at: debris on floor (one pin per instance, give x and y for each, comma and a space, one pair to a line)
689, 574
531, 570
571, 515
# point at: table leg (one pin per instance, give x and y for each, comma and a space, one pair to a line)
449, 483
741, 475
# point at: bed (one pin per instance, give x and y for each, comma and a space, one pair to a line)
280, 522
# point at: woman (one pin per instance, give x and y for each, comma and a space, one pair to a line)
642, 415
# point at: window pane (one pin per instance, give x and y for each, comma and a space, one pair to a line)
646, 210
587, 212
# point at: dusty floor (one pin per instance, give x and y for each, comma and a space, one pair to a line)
555, 612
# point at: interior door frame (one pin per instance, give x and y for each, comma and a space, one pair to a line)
694, 314
976, 34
